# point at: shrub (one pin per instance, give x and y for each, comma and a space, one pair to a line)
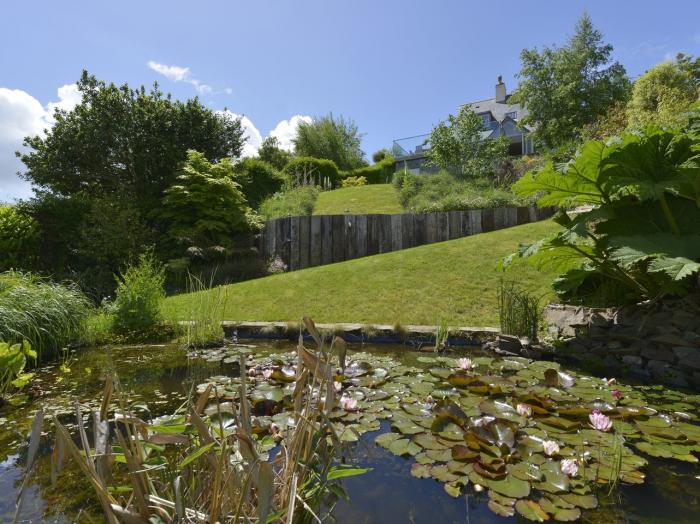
640, 239
354, 181
140, 293
379, 173
295, 202
258, 179
421, 193
47, 315
309, 171
19, 239
380, 155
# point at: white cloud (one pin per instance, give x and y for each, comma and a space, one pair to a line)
286, 130
181, 74
250, 132
23, 115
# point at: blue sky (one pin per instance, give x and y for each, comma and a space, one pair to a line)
396, 67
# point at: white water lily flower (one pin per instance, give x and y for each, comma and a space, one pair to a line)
550, 447
523, 410
569, 467
465, 363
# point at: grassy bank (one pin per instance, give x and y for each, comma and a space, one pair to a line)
377, 198
453, 281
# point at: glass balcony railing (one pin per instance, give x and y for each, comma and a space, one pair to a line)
411, 146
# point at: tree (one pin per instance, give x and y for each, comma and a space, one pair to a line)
205, 207
258, 180
273, 154
663, 94
126, 143
456, 145
567, 88
336, 139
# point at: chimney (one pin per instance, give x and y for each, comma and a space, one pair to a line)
500, 91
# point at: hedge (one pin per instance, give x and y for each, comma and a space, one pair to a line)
306, 170
379, 173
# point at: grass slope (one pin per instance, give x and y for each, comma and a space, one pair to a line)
453, 281
363, 200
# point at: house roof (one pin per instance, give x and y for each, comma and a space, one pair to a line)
497, 109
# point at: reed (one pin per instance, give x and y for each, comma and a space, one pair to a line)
519, 311
206, 472
205, 309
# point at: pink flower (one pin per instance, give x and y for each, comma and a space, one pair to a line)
267, 373
252, 372
600, 421
523, 410
569, 466
610, 381
464, 363
616, 394
550, 447
348, 403
337, 386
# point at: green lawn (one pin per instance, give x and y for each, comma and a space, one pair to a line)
453, 281
363, 200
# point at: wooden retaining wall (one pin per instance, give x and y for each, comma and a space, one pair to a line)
307, 241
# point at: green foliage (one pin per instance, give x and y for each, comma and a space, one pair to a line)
258, 180
126, 142
308, 171
378, 173
354, 181
336, 139
518, 311
380, 155
19, 238
442, 192
641, 238
139, 296
47, 315
206, 206
567, 88
208, 302
663, 94
299, 201
457, 146
273, 154
13, 360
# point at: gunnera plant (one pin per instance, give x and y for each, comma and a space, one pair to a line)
46, 314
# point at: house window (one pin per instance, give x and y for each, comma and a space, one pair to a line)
513, 115
486, 117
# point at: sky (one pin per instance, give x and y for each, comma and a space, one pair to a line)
397, 67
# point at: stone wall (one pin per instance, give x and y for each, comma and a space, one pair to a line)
655, 342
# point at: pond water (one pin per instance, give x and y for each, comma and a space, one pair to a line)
161, 377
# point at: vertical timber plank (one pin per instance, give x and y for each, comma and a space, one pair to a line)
475, 221
316, 241
350, 232
408, 230
455, 224
487, 220
304, 241
361, 235
396, 232
327, 242
338, 223
294, 243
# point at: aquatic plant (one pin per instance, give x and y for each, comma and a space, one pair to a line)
205, 309
217, 460
13, 360
47, 315
518, 311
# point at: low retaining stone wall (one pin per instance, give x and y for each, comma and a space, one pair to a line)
656, 342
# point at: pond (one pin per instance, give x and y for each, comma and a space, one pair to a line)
408, 431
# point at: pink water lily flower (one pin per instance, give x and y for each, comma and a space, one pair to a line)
550, 447
523, 410
348, 403
267, 373
600, 421
569, 467
616, 394
464, 363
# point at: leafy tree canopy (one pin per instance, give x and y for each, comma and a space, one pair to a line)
331, 138
271, 152
662, 95
457, 146
566, 88
124, 141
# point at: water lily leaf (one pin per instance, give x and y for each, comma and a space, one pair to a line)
582, 501
439, 455
500, 509
510, 487
556, 378
421, 471
531, 510
560, 423
385, 439
428, 441
284, 375
404, 446
453, 489
567, 515
462, 452
443, 473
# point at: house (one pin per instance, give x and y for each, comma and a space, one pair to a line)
501, 118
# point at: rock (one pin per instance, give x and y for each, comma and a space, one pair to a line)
632, 360
508, 343
664, 372
655, 353
670, 339
531, 353
684, 351
691, 360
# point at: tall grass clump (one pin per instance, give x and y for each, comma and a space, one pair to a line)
205, 309
47, 315
213, 462
519, 311
139, 296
